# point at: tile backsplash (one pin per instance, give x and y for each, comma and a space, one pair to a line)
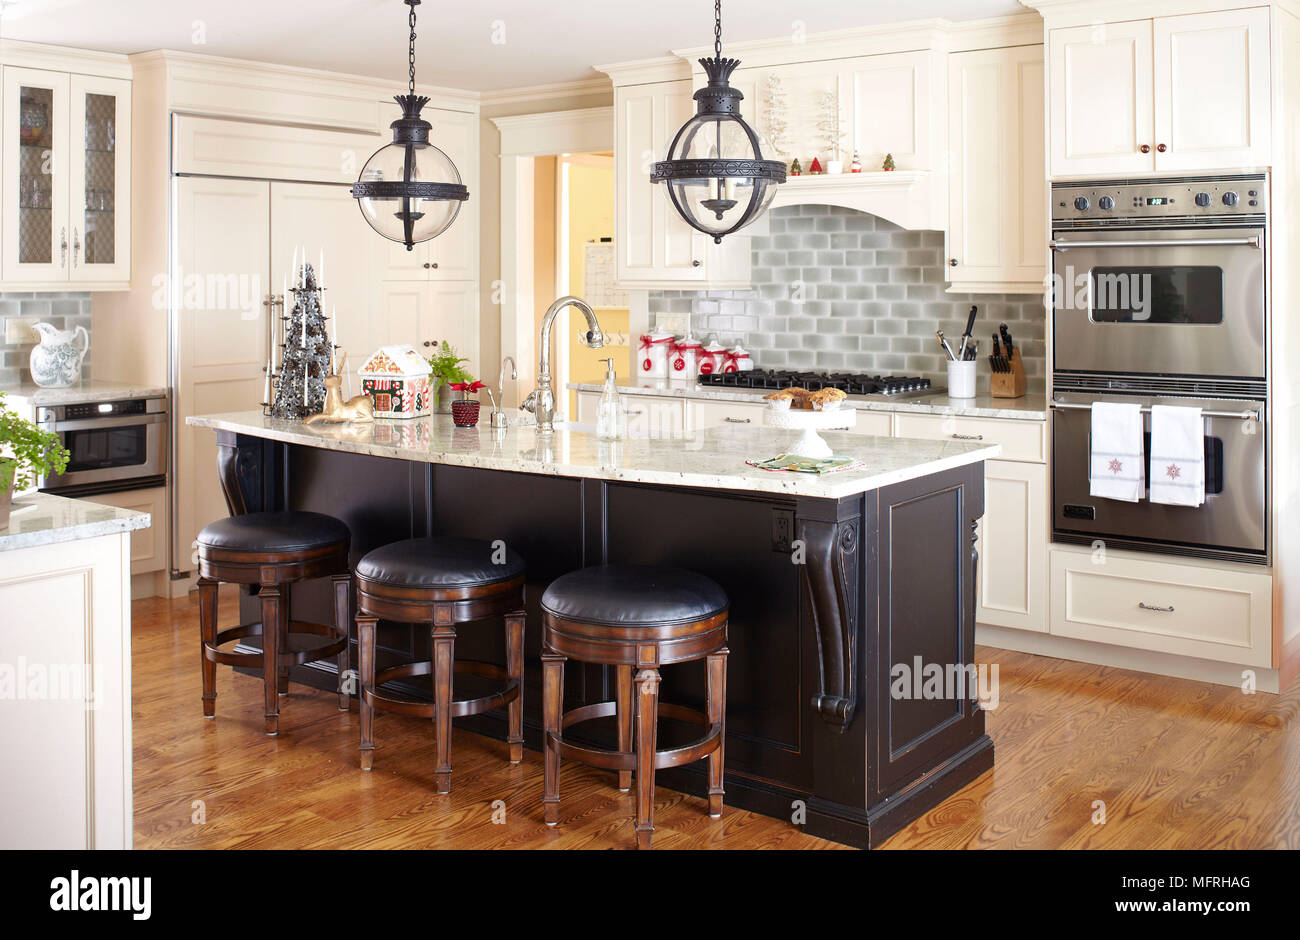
840, 290
63, 310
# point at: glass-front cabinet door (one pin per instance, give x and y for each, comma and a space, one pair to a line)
100, 199
35, 240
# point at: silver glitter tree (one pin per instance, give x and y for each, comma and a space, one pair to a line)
300, 386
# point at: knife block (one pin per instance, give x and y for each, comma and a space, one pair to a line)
1010, 384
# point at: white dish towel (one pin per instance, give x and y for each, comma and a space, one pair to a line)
1177, 456
1117, 469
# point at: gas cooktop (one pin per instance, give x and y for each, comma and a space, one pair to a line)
887, 386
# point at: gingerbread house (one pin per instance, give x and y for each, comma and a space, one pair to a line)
397, 379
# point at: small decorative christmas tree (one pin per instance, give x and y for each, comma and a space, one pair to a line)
831, 128
774, 115
856, 165
889, 162
816, 168
307, 355
795, 169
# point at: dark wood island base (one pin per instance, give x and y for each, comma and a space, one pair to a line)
829, 597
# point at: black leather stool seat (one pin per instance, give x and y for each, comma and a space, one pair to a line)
441, 562
634, 596
274, 532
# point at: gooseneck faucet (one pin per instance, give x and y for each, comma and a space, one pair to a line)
541, 401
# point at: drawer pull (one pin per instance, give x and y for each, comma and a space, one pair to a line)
633, 414
1163, 610
968, 437
737, 420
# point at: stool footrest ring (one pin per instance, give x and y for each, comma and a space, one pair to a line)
384, 701
337, 643
606, 759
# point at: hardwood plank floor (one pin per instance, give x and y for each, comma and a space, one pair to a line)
1178, 764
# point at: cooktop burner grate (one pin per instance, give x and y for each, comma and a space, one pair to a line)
848, 382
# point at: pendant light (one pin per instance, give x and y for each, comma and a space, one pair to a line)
717, 177
410, 191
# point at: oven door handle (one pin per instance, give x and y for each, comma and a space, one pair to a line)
1248, 414
1251, 241
93, 424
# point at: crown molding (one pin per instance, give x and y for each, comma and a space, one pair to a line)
38, 55
1063, 13
521, 95
665, 68
581, 130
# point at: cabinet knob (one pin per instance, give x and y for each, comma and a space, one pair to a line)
426, 265
434, 265
428, 343
696, 264
1145, 148
1161, 148
952, 262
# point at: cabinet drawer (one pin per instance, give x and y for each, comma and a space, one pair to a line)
1217, 613
148, 545
654, 417
712, 414
1020, 440
879, 423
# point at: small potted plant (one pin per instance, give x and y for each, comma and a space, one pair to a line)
447, 371
26, 452
464, 410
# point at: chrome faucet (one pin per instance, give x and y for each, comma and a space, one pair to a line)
541, 401
498, 419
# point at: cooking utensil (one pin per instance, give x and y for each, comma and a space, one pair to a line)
948, 349
970, 326
995, 360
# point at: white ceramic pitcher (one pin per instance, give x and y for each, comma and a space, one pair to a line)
56, 361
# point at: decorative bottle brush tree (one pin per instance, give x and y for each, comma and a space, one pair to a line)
300, 386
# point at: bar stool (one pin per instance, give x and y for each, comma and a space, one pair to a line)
273, 550
634, 617
441, 581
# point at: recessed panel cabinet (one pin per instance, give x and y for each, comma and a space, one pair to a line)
65, 180
1170, 94
997, 200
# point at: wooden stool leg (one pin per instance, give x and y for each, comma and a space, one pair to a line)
647, 721
552, 716
717, 716
342, 621
444, 664
282, 671
626, 721
515, 669
366, 666
270, 595
208, 636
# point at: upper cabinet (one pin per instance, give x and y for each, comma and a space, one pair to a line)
65, 176
997, 187
1169, 94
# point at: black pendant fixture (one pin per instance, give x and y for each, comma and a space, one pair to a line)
717, 177
410, 191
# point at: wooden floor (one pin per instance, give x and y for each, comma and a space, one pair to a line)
1177, 764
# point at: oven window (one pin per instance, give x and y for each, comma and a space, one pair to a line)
1157, 294
105, 448
1213, 463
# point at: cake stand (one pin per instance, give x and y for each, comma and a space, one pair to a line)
810, 443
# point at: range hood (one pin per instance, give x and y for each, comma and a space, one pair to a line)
904, 197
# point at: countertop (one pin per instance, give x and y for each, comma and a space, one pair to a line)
91, 391
43, 519
712, 459
1031, 407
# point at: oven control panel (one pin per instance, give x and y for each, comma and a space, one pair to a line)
1218, 197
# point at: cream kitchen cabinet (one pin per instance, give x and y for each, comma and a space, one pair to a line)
997, 200
65, 175
654, 247
426, 315
1170, 94
647, 415
1011, 584
453, 255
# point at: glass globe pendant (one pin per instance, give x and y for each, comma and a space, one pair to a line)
717, 177
410, 191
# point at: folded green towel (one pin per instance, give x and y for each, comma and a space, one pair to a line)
805, 464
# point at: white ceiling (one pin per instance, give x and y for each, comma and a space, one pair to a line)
545, 41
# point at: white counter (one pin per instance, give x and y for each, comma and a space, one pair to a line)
92, 391
1030, 407
42, 519
711, 459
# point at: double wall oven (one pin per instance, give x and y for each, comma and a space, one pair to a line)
1160, 297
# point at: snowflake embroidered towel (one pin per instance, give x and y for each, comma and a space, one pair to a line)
1118, 470
1177, 456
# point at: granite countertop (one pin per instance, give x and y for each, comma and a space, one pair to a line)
712, 459
1031, 407
91, 391
43, 519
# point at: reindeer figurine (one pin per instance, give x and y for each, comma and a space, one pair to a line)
337, 411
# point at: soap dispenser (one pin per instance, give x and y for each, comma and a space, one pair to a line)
611, 420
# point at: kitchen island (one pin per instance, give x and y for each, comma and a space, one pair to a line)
837, 582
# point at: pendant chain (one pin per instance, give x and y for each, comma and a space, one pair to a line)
411, 56
717, 28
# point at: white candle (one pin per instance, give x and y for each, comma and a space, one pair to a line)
320, 272
266, 392
294, 270
334, 344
